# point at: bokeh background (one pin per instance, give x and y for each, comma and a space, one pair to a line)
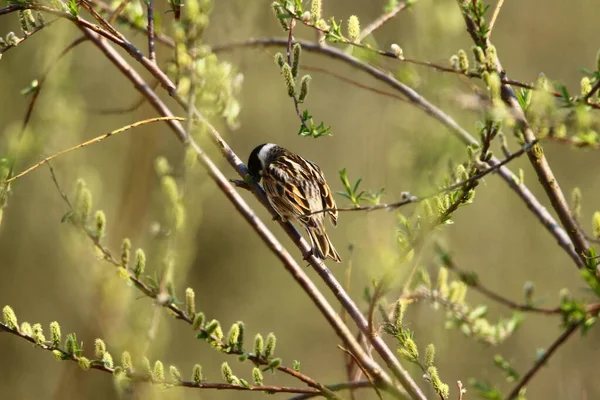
48, 271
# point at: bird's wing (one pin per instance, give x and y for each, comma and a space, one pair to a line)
326, 195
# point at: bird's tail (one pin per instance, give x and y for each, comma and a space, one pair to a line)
321, 245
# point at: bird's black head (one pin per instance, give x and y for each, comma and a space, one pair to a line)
255, 165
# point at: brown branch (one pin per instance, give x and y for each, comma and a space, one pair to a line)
357, 361
514, 393
151, 50
101, 366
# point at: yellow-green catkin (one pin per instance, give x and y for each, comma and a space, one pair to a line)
270, 345
175, 374
316, 11
227, 373
296, 51
99, 348
576, 202
463, 61
596, 224
140, 262
190, 302
125, 252
288, 77
304, 86
100, 224
258, 345
353, 28
38, 334
257, 376
586, 86
10, 318
55, 335
197, 374
158, 373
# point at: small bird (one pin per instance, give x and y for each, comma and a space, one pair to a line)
296, 188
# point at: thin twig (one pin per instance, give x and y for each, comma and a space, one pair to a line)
379, 22
357, 361
451, 265
495, 16
564, 336
92, 141
151, 50
117, 12
129, 109
461, 391
29, 34
451, 188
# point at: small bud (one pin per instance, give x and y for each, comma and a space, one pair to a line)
270, 346
491, 58
26, 329
40, 18
100, 224
197, 374
158, 373
286, 70
71, 344
258, 345
83, 363
227, 373
528, 288
175, 374
58, 355
397, 50
296, 51
55, 334
353, 28
279, 60
212, 327
463, 61
190, 302
234, 334
454, 63
29, 18
296, 365
99, 348
306, 17
24, 24
257, 376
140, 262
198, 321
304, 86
10, 318
12, 39
274, 363
38, 334
316, 10
429, 355
596, 224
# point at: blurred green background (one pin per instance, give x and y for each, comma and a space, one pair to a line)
48, 271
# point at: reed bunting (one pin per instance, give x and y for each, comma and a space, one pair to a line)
296, 188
